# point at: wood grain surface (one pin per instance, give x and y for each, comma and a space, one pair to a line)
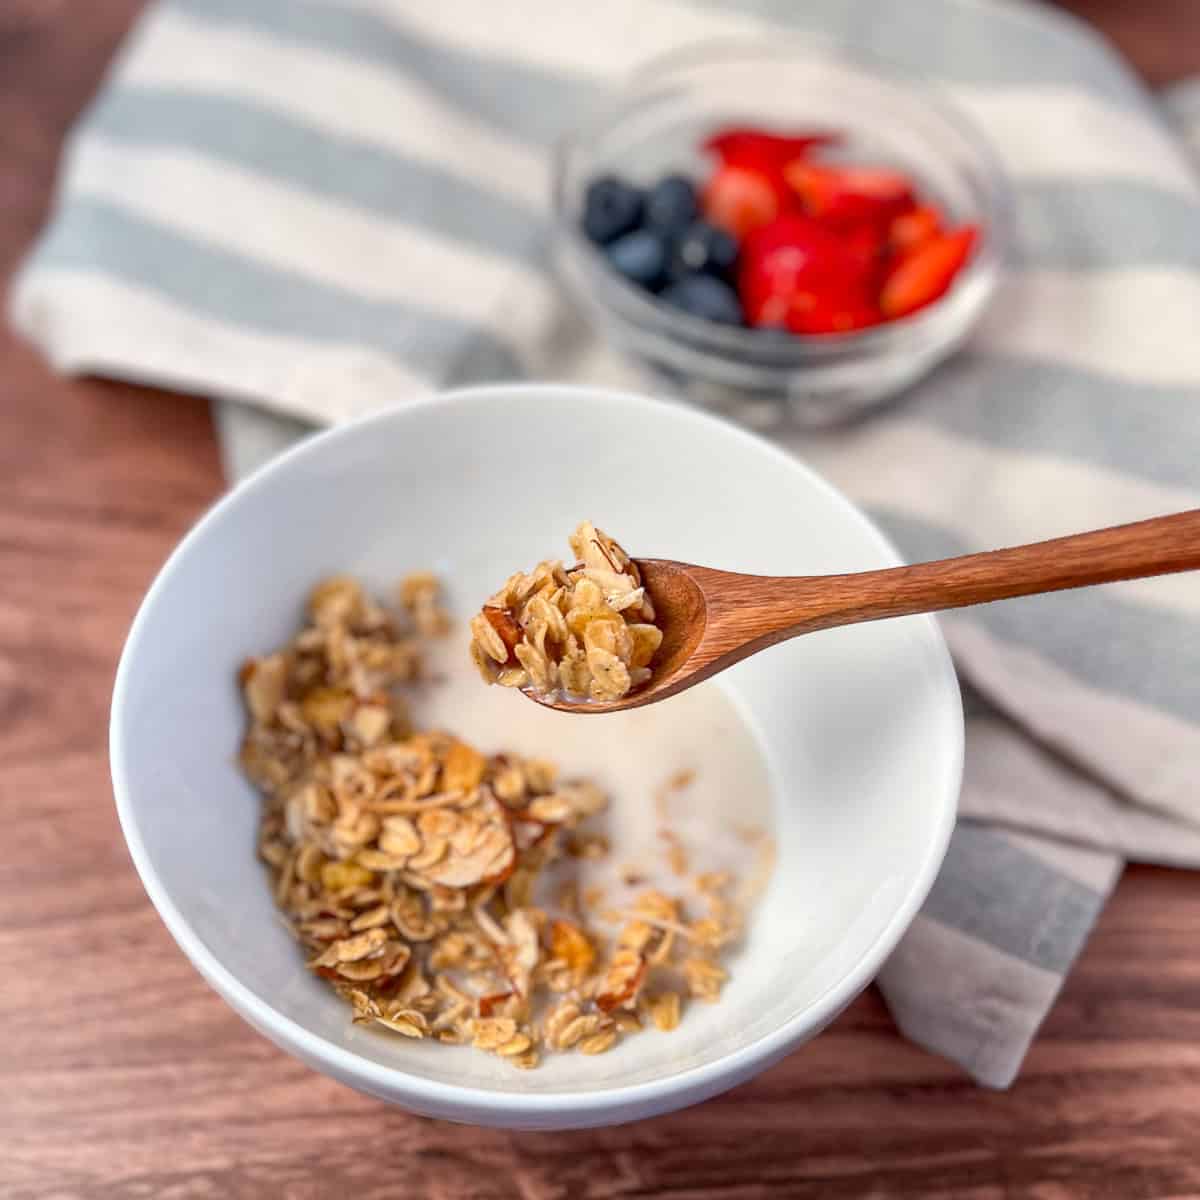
123, 1077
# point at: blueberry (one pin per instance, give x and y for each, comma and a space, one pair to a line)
706, 297
611, 207
705, 250
671, 205
641, 256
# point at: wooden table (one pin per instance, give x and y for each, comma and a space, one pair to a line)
122, 1076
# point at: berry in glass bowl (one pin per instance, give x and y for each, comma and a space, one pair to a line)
779, 237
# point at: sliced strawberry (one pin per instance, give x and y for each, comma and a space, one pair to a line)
766, 293
739, 200
765, 154
848, 195
839, 309
792, 254
867, 246
794, 230
741, 146
910, 229
926, 273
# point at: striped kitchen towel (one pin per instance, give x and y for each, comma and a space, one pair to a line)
313, 206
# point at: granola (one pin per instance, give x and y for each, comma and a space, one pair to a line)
409, 865
585, 631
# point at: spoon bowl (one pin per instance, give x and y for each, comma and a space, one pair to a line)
678, 596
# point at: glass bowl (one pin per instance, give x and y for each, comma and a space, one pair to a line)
657, 126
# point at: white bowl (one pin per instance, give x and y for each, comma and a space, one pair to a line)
860, 728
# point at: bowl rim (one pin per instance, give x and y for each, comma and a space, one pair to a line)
392, 1082
986, 262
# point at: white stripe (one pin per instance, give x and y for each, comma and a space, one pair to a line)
1059, 132
582, 357
1018, 781
291, 229
1037, 131
991, 498
549, 35
91, 323
1137, 324
346, 97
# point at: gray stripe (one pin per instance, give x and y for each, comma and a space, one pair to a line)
342, 168
1182, 100
1148, 655
994, 891
1140, 429
96, 236
957, 42
516, 98
1105, 223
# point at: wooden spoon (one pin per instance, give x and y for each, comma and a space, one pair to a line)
712, 619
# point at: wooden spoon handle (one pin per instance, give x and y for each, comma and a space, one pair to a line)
1158, 546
